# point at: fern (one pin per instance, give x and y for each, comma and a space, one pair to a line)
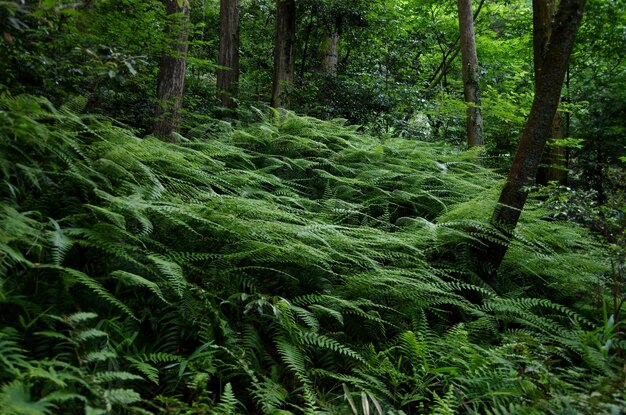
61, 243
139, 281
96, 288
295, 360
12, 355
283, 258
120, 397
15, 399
150, 372
228, 402
269, 396
445, 405
107, 377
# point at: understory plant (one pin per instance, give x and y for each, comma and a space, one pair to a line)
287, 266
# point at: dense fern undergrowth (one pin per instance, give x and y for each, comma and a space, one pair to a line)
287, 266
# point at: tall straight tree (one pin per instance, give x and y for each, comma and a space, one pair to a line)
284, 51
171, 80
450, 56
528, 156
228, 59
470, 74
553, 163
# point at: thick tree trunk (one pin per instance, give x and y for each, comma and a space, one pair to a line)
284, 51
470, 74
331, 57
553, 163
548, 92
330, 50
228, 59
171, 81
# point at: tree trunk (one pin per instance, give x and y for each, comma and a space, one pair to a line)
284, 51
171, 80
331, 48
330, 59
470, 74
442, 69
543, 12
228, 59
553, 165
526, 163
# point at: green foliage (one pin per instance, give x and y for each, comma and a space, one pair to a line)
101, 50
287, 265
262, 268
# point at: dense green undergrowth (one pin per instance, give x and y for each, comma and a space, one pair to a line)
289, 266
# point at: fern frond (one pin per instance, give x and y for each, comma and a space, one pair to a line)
295, 360
97, 288
15, 399
320, 340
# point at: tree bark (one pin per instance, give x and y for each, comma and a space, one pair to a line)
228, 59
284, 52
528, 156
543, 12
331, 48
330, 59
553, 165
171, 80
470, 74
